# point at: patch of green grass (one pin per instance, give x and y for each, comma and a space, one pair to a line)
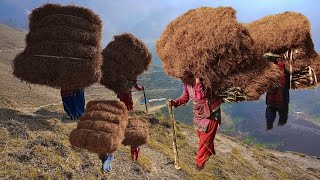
229, 129
145, 163
249, 140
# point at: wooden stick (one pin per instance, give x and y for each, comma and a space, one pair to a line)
175, 148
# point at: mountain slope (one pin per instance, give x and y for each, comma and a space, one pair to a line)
34, 142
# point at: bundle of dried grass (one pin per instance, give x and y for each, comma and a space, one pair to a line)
136, 133
71, 10
63, 33
124, 59
282, 32
63, 47
250, 84
66, 20
209, 42
101, 128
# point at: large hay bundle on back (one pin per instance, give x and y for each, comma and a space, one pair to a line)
282, 33
101, 128
252, 82
63, 47
209, 42
124, 59
137, 132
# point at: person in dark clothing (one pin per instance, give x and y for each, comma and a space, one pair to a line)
277, 100
73, 102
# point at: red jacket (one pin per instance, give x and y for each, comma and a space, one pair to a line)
127, 97
203, 104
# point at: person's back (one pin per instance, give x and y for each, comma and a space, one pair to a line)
277, 100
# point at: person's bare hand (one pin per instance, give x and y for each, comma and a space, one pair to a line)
197, 80
171, 102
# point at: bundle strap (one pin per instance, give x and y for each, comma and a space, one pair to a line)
60, 57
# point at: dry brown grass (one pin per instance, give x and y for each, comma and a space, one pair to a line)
137, 132
211, 44
100, 131
124, 59
68, 45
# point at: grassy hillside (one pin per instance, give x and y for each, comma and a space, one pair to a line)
34, 141
35, 145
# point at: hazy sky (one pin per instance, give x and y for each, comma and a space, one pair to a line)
147, 18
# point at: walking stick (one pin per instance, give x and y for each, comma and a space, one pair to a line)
145, 101
175, 148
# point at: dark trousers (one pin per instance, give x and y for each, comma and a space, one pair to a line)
74, 104
271, 113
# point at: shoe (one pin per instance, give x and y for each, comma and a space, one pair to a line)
199, 168
281, 124
269, 126
106, 163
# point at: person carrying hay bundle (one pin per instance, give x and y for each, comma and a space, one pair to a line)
214, 46
277, 99
124, 59
101, 130
73, 102
206, 115
62, 51
126, 98
287, 34
212, 53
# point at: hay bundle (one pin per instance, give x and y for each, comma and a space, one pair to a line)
282, 32
101, 128
209, 42
250, 84
124, 59
136, 133
63, 47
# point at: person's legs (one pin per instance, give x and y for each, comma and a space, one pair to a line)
283, 112
206, 144
68, 105
135, 152
270, 116
283, 115
107, 162
79, 101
